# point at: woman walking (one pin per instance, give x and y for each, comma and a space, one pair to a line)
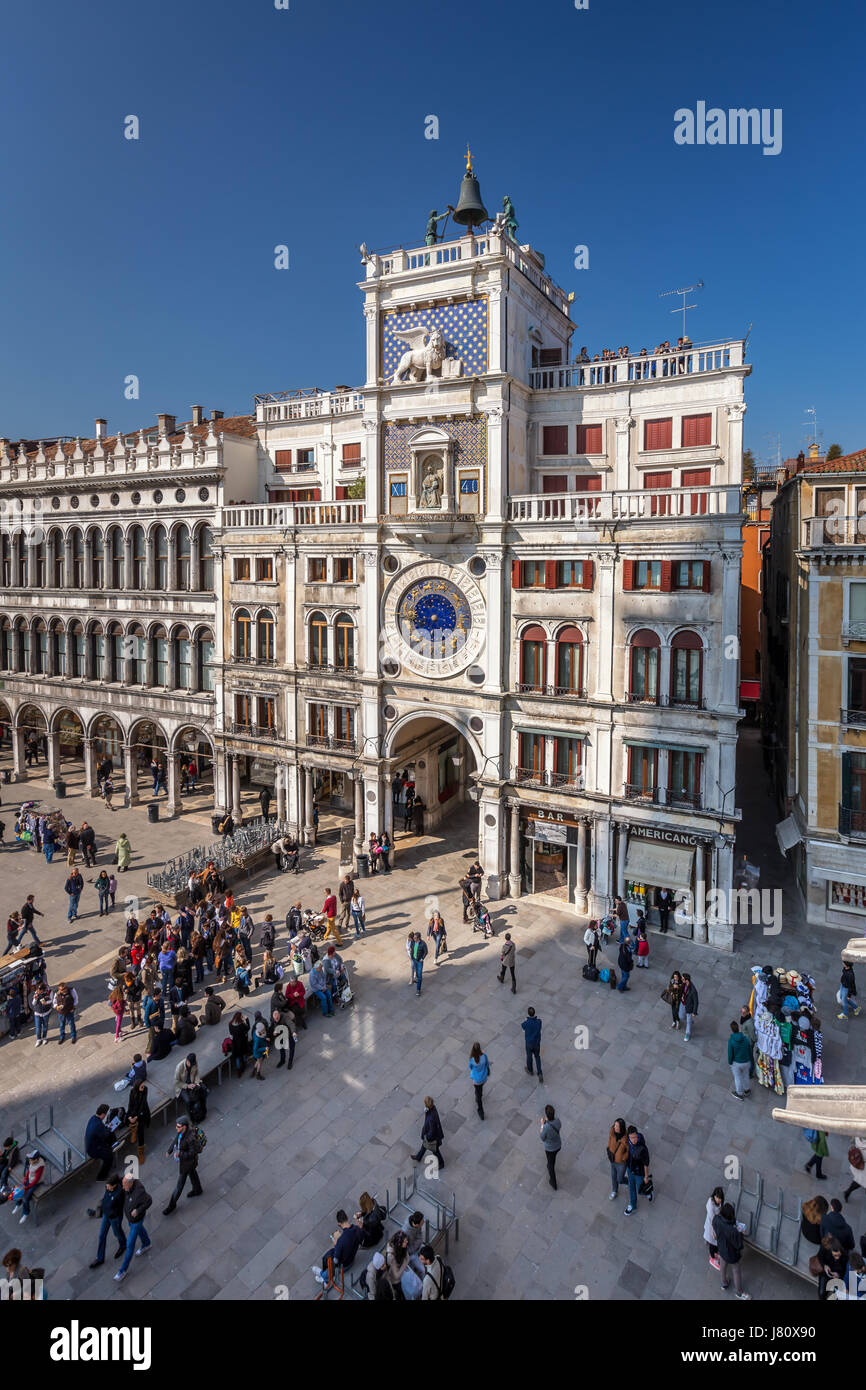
715, 1202
479, 1070
820, 1150
118, 1008
729, 1240
432, 1133
617, 1155
112, 887
688, 1004
103, 888
358, 909
856, 1167
242, 972
673, 996
132, 991
123, 852
436, 931
549, 1127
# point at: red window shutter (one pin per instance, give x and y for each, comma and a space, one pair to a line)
628, 752
657, 480
697, 430
550, 574
342, 492
351, 453
588, 574
658, 434
554, 439
554, 482
283, 458
666, 581
589, 439
706, 583
628, 574
515, 574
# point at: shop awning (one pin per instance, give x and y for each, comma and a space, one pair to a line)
787, 834
750, 690
663, 866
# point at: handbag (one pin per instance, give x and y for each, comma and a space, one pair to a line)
666, 995
816, 1265
646, 1187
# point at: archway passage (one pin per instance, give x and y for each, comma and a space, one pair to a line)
149, 755
32, 729
195, 768
67, 728
430, 762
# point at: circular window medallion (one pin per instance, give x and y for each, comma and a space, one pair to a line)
477, 566
180, 495
135, 498
371, 795
389, 712
390, 667
476, 724
115, 498
55, 502
157, 496
73, 502
435, 619
94, 499
490, 821
203, 494
391, 564
476, 675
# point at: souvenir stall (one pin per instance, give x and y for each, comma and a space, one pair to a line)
788, 1042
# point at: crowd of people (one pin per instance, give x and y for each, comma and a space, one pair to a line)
611, 354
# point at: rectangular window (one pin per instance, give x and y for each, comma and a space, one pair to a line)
398, 500
469, 492
283, 458
242, 569
857, 684
244, 710
554, 482
647, 574
554, 439
532, 657
588, 482
531, 756
184, 664
317, 721
659, 506
306, 458
700, 479
344, 723
567, 759
571, 574
98, 657
684, 777
316, 569
697, 431
857, 603
642, 770
589, 439
344, 569
351, 454
207, 659
532, 573
688, 574
160, 658
550, 357
265, 713
658, 434
265, 568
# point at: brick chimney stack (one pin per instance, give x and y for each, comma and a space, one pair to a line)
166, 424
101, 429
217, 414
197, 415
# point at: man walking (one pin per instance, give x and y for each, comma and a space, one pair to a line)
111, 1211
28, 912
507, 957
346, 890
71, 846
847, 992
532, 1037
135, 1204
549, 1128
432, 1133
87, 844
419, 955
637, 1167
185, 1151
689, 1004
747, 1028
329, 910
73, 887
739, 1060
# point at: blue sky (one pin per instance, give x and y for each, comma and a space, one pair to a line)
261, 126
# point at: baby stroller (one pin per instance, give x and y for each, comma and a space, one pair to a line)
315, 923
484, 924
343, 995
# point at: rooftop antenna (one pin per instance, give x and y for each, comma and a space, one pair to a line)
685, 292
816, 435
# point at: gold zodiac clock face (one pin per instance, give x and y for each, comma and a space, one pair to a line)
435, 620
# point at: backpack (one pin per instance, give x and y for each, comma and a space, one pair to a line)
590, 972
199, 1140
446, 1288
227, 1046
196, 1105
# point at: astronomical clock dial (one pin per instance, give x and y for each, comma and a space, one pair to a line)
435, 620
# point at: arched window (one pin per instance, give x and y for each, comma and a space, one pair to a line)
40, 648
55, 559
77, 551
318, 640
344, 642
39, 565
22, 645
205, 559
205, 659
137, 655
75, 650
6, 643
21, 566
115, 557
160, 557
265, 635
97, 559
58, 643
569, 661
183, 647
644, 666
6, 561
138, 555
533, 659
243, 635
181, 541
114, 654
160, 657
96, 637
687, 663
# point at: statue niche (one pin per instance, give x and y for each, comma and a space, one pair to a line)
430, 496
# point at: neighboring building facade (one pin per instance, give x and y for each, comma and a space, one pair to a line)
815, 681
757, 504
108, 607
534, 605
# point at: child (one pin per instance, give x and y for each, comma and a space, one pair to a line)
642, 948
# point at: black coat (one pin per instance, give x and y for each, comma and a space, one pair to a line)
728, 1239
112, 1203
432, 1129
625, 959
833, 1223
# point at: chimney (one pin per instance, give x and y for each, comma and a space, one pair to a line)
101, 429
197, 414
217, 414
166, 424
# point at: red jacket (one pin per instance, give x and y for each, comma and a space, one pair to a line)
329, 907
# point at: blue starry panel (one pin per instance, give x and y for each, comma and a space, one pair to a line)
470, 433
463, 325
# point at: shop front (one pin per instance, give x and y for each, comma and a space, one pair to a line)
657, 858
549, 854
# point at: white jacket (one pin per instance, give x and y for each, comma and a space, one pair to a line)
712, 1211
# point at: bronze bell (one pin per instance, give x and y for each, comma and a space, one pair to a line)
470, 211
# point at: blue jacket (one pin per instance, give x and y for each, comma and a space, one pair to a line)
480, 1070
532, 1029
98, 1142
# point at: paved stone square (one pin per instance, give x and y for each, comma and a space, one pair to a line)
281, 1158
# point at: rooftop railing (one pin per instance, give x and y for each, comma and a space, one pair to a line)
656, 366
638, 505
306, 403
469, 248
820, 531
281, 515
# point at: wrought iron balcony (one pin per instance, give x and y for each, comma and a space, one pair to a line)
554, 691
255, 730
683, 798
635, 792
634, 698
852, 716
852, 823
338, 745
684, 701
530, 777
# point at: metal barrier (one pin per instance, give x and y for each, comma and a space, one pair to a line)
231, 852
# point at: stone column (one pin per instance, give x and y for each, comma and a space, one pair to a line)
359, 813
699, 921
388, 809
89, 778
150, 665
720, 933
175, 805
128, 567
19, 772
580, 884
280, 775
514, 853
237, 813
621, 846
220, 781
606, 627
171, 661
53, 757
309, 832
130, 772
194, 556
